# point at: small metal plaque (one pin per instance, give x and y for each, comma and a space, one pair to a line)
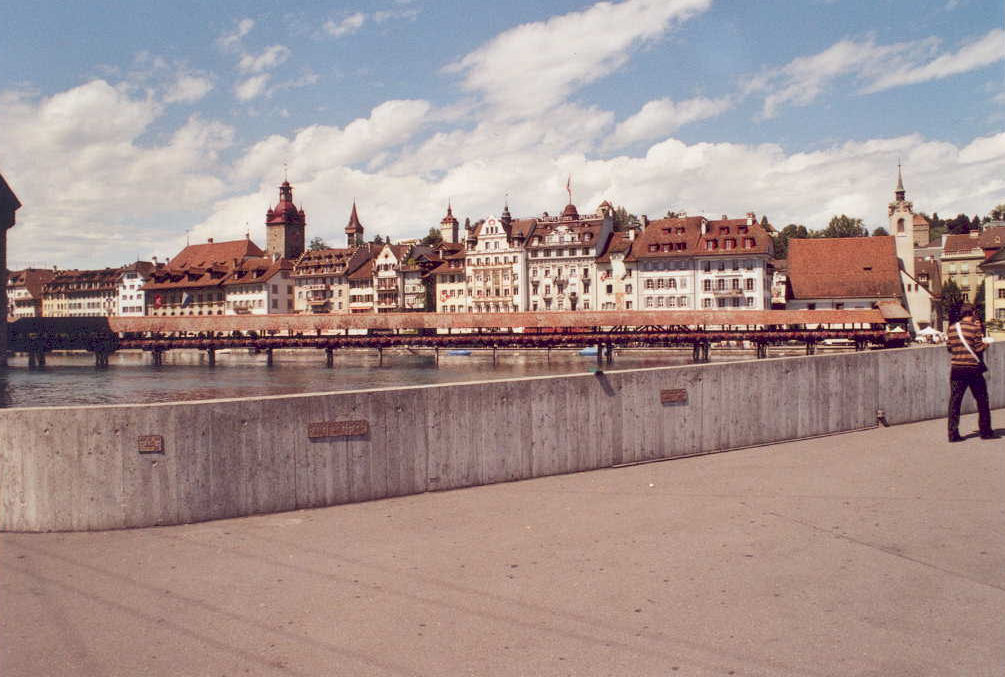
323, 429
675, 396
150, 444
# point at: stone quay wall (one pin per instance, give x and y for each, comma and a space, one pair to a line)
109, 467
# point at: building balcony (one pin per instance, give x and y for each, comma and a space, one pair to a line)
727, 293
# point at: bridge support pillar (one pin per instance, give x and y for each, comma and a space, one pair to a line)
158, 357
762, 350
600, 354
33, 359
610, 354
494, 356
811, 348
380, 357
100, 359
211, 356
329, 357
268, 357
436, 350
701, 350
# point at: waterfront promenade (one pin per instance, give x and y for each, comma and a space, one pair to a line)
878, 552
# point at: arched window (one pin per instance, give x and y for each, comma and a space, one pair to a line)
900, 225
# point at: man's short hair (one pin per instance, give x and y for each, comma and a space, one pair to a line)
966, 309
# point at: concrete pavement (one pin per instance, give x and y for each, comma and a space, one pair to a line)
875, 553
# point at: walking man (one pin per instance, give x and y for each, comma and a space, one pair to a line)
967, 371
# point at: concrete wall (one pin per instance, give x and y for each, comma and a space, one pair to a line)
78, 468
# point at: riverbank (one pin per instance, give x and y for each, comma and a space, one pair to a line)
70, 378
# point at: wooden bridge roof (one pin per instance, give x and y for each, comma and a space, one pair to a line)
309, 324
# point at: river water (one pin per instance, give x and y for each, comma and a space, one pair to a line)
71, 379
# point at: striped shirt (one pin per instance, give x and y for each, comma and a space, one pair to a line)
972, 332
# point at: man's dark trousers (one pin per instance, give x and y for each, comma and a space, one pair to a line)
961, 378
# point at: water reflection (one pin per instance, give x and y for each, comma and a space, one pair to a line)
5, 396
185, 375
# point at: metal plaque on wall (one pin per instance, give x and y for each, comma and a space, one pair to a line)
150, 444
322, 429
675, 396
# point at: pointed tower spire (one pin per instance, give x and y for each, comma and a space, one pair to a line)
900, 192
449, 225
285, 225
354, 229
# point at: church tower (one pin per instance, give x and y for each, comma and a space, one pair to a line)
902, 216
901, 213
449, 226
354, 229
285, 226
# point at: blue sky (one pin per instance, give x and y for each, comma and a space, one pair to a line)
128, 127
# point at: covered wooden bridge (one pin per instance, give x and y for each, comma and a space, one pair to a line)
603, 329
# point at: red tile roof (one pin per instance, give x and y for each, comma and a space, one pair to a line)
32, 279
683, 236
203, 255
847, 267
617, 243
256, 270
929, 268
364, 272
90, 281
986, 242
323, 262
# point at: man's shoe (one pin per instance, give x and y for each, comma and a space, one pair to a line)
955, 438
990, 436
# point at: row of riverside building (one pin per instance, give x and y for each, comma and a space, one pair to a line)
567, 262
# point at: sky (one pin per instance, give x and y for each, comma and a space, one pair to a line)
130, 128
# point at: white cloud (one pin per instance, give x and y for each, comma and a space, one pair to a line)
803, 79
535, 66
660, 118
565, 129
317, 147
389, 14
346, 26
188, 89
984, 52
874, 67
272, 56
232, 40
80, 180
252, 88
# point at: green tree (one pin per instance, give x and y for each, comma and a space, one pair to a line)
998, 212
844, 226
951, 300
959, 225
623, 220
378, 240
433, 238
782, 237
878, 231
979, 302
316, 244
